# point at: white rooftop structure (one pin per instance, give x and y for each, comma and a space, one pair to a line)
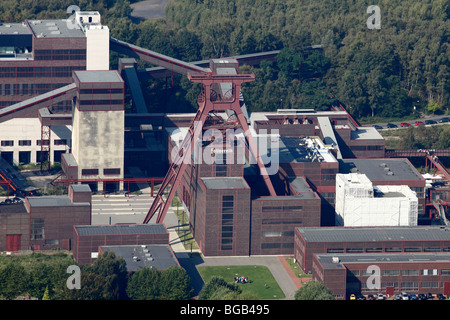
360, 204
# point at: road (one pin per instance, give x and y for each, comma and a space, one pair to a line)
412, 122
113, 209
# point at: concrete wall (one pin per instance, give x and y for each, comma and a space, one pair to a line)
98, 142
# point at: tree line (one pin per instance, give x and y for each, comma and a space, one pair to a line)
387, 72
45, 277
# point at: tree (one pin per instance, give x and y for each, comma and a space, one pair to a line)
113, 269
175, 284
14, 280
217, 288
313, 290
144, 284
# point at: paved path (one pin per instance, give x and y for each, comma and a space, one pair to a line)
114, 209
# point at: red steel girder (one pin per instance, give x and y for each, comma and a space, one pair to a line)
207, 104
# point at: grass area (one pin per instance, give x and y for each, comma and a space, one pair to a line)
183, 231
29, 261
296, 269
261, 281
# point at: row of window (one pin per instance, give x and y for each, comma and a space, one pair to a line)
368, 148
408, 272
227, 222
22, 143
100, 102
405, 286
14, 89
390, 250
40, 72
94, 172
101, 91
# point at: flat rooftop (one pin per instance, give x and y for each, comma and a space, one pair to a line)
373, 258
366, 133
55, 28
158, 256
54, 201
225, 183
14, 28
360, 234
120, 229
295, 150
101, 76
377, 169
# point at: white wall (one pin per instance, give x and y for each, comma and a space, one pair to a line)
30, 129
357, 206
97, 56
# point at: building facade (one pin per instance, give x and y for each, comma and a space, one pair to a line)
388, 274
36, 57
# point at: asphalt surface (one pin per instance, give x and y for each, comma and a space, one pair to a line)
113, 209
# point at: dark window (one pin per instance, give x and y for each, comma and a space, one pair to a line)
89, 172
114, 171
24, 142
7, 143
221, 170
59, 142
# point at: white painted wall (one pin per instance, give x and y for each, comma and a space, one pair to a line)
356, 206
30, 129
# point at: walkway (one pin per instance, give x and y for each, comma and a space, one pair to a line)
121, 209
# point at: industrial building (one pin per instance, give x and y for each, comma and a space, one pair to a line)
362, 240
88, 239
46, 222
36, 57
273, 188
361, 204
412, 273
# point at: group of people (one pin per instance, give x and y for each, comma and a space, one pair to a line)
240, 279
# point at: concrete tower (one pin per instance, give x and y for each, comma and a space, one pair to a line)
98, 128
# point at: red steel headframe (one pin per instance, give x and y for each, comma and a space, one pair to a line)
209, 102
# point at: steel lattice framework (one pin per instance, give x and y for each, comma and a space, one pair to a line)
211, 100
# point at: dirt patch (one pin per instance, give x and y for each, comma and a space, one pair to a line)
149, 9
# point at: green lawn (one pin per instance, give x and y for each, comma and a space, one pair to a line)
258, 277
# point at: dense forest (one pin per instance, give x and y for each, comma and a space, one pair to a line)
387, 72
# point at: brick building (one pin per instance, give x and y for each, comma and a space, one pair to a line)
42, 223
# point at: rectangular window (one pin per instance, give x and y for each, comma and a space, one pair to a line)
115, 171
89, 172
7, 143
24, 142
37, 229
60, 142
221, 171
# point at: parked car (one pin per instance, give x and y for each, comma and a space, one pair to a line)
391, 125
370, 297
418, 123
398, 297
380, 296
422, 296
429, 296
360, 297
412, 297
440, 296
430, 122
404, 124
352, 297
377, 127
445, 119
405, 296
